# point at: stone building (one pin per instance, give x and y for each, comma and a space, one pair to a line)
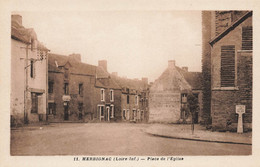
81, 92
107, 98
71, 88
168, 94
227, 53
134, 98
28, 75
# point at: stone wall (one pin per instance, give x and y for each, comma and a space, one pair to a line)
225, 99
86, 98
164, 107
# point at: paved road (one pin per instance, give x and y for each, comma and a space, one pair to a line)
110, 139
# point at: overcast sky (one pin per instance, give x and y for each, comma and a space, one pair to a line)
136, 44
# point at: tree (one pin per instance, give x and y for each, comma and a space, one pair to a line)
193, 106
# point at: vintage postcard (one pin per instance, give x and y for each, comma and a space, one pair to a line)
129, 84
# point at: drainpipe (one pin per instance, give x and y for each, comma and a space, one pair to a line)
26, 87
47, 86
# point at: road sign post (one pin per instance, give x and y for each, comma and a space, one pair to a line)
240, 110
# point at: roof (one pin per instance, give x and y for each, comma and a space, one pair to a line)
231, 27
193, 78
132, 84
172, 80
25, 35
103, 80
19, 32
107, 83
40, 46
76, 67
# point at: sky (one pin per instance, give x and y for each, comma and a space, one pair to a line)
135, 44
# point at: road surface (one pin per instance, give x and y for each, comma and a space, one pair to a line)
116, 139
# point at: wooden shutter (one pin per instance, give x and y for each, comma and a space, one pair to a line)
247, 38
228, 66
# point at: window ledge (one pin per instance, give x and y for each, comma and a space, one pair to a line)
225, 88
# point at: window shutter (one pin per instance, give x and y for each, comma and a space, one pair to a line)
247, 38
228, 66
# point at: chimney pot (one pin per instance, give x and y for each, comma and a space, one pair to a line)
18, 19
76, 57
114, 73
103, 64
185, 69
145, 80
171, 63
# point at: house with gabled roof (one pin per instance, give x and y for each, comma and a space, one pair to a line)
229, 43
168, 95
107, 99
70, 88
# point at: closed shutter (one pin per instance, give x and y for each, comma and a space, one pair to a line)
247, 38
228, 66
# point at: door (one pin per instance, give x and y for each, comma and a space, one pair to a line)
66, 112
107, 113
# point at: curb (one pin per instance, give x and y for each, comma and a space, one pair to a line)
202, 140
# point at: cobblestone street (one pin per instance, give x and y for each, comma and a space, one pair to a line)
109, 139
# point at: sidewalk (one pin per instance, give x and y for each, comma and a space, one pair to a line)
183, 131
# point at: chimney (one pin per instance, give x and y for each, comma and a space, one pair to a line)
115, 74
185, 69
18, 19
103, 64
145, 80
76, 57
171, 63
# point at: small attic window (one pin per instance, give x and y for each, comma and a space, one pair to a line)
56, 63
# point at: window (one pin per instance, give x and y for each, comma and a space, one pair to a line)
247, 38
52, 108
32, 73
124, 115
136, 100
227, 66
34, 99
183, 98
66, 88
112, 111
111, 95
102, 94
127, 99
66, 74
101, 110
50, 87
81, 89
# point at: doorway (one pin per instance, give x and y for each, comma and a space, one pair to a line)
107, 114
66, 112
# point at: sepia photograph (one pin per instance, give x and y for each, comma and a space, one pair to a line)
126, 83
131, 86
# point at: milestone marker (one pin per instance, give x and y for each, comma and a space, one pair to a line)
240, 110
